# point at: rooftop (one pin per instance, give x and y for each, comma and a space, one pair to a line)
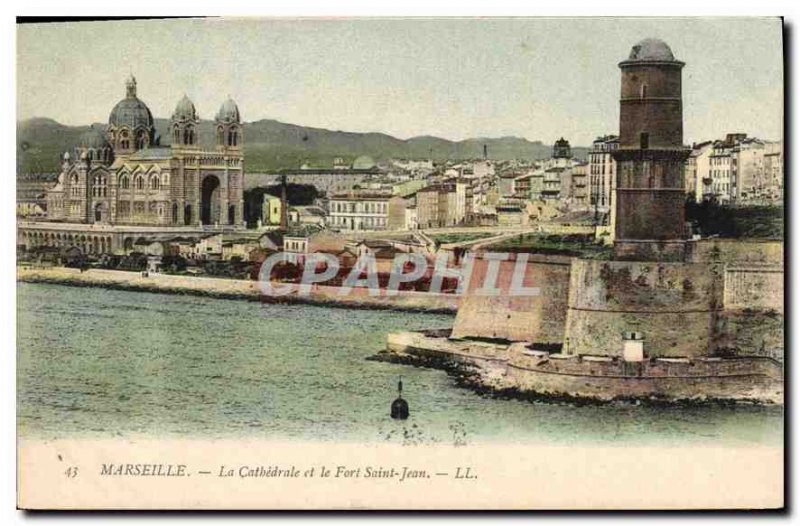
152, 153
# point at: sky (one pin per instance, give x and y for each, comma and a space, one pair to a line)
453, 78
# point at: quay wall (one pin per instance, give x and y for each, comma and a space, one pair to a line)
516, 368
751, 385
235, 289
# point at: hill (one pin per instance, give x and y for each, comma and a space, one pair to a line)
272, 145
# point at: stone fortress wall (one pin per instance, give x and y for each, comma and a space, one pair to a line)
538, 318
673, 305
728, 297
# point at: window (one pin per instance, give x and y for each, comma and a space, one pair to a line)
141, 140
99, 186
124, 182
643, 91
233, 137
138, 182
644, 140
155, 183
124, 140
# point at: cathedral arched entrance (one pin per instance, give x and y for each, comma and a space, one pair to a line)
209, 200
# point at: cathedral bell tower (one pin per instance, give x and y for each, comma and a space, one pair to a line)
229, 126
650, 159
184, 124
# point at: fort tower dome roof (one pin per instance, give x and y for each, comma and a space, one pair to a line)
651, 49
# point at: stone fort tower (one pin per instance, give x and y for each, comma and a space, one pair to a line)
650, 159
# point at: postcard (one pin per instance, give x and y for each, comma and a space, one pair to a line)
400, 264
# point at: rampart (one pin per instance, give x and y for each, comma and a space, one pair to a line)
539, 318
674, 305
750, 252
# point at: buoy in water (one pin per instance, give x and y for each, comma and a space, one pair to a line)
399, 406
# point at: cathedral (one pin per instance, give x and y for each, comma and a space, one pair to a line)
124, 176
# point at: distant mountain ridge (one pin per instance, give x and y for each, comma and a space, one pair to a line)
271, 145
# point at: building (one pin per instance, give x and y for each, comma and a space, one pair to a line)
551, 183
306, 216
505, 183
562, 149
650, 218
511, 213
327, 181
271, 210
602, 172
408, 188
697, 181
579, 188
522, 186
749, 164
537, 184
367, 210
122, 175
561, 157
737, 169
460, 204
297, 244
433, 204
770, 187
722, 174
410, 216
32, 194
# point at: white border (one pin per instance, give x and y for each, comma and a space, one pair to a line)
425, 8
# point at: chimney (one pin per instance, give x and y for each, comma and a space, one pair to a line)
284, 205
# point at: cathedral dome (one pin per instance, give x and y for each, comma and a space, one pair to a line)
93, 138
651, 49
131, 111
228, 112
185, 110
